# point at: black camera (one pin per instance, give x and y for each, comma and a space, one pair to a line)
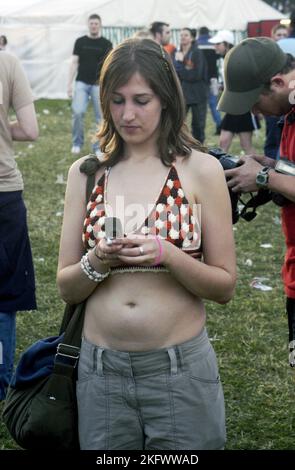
228, 162
248, 211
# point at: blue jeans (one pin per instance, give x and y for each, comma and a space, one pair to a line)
199, 112
273, 137
83, 93
7, 349
212, 100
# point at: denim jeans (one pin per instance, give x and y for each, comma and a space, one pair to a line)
212, 100
273, 137
199, 112
83, 93
7, 349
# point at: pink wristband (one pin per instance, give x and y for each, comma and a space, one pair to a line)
158, 259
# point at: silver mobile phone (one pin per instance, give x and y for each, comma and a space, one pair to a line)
113, 229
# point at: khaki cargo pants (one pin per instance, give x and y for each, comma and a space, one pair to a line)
161, 399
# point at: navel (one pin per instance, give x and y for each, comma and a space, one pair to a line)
131, 304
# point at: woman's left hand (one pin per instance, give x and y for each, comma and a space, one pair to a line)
147, 251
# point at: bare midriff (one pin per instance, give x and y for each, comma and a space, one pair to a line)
142, 311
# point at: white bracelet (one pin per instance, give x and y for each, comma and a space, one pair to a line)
90, 272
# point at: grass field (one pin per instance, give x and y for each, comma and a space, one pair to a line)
249, 334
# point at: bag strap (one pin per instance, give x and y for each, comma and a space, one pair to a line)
68, 351
89, 166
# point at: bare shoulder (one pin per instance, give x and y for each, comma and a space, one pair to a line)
77, 180
205, 167
75, 167
76, 174
208, 180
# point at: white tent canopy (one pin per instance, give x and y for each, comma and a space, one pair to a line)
215, 14
42, 32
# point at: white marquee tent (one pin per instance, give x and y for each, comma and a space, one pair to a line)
42, 32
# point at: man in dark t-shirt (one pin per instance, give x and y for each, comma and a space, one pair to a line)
88, 56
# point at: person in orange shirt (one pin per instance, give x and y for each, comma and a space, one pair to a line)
170, 48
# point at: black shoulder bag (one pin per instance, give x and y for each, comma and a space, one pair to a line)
40, 410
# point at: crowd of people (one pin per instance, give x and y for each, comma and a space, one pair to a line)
284, 6
146, 363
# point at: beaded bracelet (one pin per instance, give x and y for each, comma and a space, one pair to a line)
158, 259
90, 272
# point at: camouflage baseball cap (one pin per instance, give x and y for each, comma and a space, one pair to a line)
247, 67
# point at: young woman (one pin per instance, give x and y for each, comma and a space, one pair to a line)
191, 68
243, 124
147, 376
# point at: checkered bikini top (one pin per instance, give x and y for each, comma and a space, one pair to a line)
171, 218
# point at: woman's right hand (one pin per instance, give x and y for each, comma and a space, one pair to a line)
107, 253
